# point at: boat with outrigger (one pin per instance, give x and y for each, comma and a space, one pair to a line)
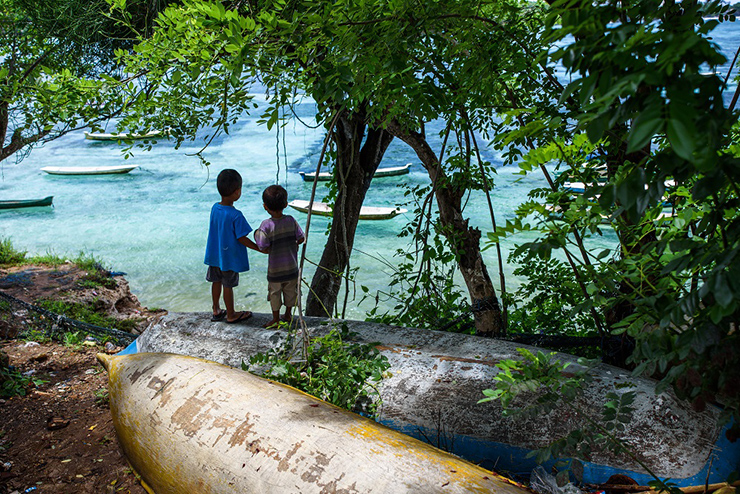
100, 136
88, 170
366, 212
380, 172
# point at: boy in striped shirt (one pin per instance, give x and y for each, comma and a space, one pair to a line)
280, 235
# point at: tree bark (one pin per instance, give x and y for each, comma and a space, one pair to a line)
463, 239
354, 170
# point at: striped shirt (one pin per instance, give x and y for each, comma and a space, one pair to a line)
281, 235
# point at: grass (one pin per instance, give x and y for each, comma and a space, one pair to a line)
37, 335
73, 339
101, 397
9, 255
97, 273
48, 259
84, 313
5, 309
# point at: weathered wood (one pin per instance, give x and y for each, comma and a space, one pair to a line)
192, 426
435, 381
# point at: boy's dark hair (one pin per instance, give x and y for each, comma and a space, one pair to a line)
228, 181
275, 198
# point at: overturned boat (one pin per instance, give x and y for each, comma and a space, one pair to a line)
189, 425
436, 380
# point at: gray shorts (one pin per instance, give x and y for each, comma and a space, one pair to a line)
229, 279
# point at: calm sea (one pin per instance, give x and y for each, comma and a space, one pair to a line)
152, 223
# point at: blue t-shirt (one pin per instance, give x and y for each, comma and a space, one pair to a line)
223, 249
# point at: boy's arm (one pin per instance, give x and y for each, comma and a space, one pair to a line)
260, 239
300, 236
248, 243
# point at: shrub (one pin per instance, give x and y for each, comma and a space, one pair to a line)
333, 370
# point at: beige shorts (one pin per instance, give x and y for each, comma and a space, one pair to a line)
282, 293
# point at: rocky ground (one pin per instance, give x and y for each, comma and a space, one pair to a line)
59, 437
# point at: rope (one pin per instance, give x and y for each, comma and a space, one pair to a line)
61, 323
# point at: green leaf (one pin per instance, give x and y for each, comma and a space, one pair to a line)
596, 128
681, 131
648, 123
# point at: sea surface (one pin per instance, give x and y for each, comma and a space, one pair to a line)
152, 223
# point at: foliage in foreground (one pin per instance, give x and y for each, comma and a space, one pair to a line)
13, 383
647, 130
536, 385
57, 72
334, 370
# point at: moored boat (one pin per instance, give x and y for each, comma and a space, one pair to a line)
576, 187
26, 203
99, 136
188, 425
380, 172
88, 170
366, 212
436, 379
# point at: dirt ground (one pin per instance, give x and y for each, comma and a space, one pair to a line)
59, 437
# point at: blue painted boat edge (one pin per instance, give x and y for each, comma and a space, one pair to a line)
129, 350
512, 459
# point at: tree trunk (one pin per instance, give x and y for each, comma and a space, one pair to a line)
354, 169
463, 239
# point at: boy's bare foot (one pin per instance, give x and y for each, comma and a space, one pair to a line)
286, 318
272, 323
240, 316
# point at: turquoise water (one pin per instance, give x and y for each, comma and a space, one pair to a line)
152, 223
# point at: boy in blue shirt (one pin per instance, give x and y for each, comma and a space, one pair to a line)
226, 248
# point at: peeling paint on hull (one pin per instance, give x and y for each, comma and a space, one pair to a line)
189, 425
436, 382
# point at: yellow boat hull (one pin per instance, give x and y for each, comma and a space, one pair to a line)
189, 425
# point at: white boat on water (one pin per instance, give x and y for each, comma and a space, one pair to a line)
380, 172
88, 170
577, 187
580, 187
366, 212
121, 137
